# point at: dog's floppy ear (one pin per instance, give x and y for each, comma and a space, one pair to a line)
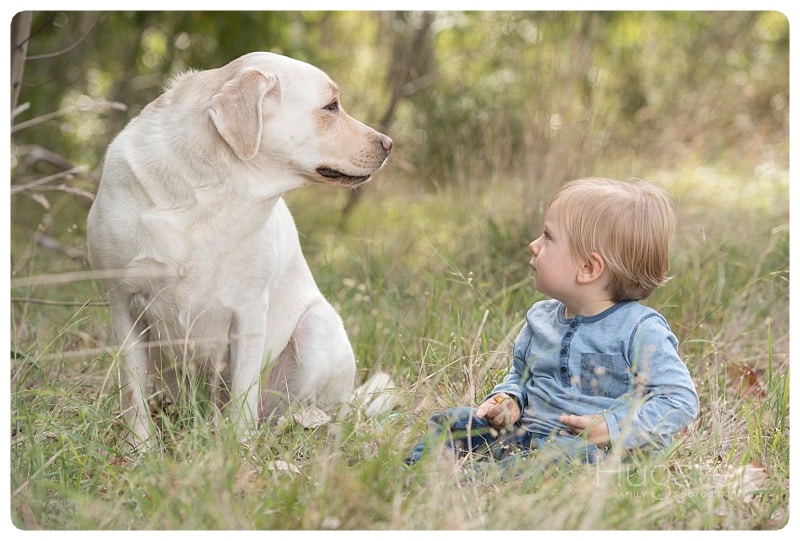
237, 111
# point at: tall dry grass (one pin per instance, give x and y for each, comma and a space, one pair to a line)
432, 286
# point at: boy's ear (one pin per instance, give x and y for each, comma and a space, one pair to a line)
592, 268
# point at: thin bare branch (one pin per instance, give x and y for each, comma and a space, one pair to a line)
44, 180
68, 48
72, 190
77, 276
97, 105
48, 302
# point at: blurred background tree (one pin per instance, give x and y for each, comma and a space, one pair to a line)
470, 98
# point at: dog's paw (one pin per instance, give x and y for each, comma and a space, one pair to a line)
376, 395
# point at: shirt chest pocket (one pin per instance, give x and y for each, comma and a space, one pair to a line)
604, 375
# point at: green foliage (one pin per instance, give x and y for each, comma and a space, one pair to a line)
539, 94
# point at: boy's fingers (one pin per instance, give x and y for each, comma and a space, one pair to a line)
573, 421
490, 407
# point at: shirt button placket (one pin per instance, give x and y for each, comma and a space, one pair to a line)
564, 353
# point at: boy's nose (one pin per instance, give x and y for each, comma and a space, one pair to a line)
533, 247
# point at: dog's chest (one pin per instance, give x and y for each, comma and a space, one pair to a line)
203, 282
199, 271
208, 257
191, 309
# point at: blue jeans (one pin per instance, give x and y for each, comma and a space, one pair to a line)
460, 430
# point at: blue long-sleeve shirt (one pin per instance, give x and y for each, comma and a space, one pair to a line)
622, 363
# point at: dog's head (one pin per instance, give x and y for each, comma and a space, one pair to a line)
283, 112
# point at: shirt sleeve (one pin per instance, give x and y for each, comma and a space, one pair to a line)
662, 399
514, 381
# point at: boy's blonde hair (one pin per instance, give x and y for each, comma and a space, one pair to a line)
630, 224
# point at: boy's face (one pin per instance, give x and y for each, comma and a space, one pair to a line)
554, 266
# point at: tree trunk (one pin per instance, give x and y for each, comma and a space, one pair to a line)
408, 56
20, 33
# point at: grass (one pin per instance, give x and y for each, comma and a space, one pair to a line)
432, 288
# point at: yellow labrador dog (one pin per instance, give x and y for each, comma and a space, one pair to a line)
199, 251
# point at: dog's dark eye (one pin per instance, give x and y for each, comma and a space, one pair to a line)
332, 106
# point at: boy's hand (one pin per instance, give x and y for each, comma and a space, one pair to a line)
500, 410
593, 427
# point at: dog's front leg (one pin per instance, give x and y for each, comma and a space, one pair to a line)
132, 333
247, 357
